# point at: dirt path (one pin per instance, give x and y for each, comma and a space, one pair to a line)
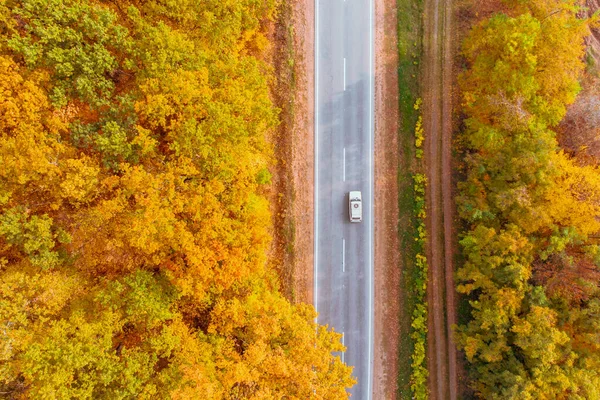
438, 131
387, 273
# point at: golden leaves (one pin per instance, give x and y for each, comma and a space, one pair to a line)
141, 199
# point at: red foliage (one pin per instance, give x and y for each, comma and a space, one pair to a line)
570, 274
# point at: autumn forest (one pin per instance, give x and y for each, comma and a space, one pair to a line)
134, 225
530, 208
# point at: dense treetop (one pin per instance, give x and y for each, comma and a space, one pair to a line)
133, 221
532, 213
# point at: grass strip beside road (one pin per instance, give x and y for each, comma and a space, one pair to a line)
410, 33
285, 87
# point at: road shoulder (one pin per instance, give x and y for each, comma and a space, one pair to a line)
292, 190
302, 162
387, 273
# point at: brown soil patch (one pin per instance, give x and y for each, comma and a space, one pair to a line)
387, 271
437, 118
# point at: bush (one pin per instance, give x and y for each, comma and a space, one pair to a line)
418, 380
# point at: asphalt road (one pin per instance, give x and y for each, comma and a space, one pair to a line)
344, 162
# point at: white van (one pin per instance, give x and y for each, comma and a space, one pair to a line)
355, 206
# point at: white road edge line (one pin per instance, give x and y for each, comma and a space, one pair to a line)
343, 344
344, 164
316, 163
343, 255
371, 128
344, 74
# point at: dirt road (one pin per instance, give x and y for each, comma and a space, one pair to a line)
437, 112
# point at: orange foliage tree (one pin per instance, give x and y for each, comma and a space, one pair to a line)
133, 222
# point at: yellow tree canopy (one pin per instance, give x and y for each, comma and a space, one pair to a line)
133, 222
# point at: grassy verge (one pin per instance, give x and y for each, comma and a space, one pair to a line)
409, 51
285, 83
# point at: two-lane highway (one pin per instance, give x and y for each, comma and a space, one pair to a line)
344, 162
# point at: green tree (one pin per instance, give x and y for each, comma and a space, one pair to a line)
529, 210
